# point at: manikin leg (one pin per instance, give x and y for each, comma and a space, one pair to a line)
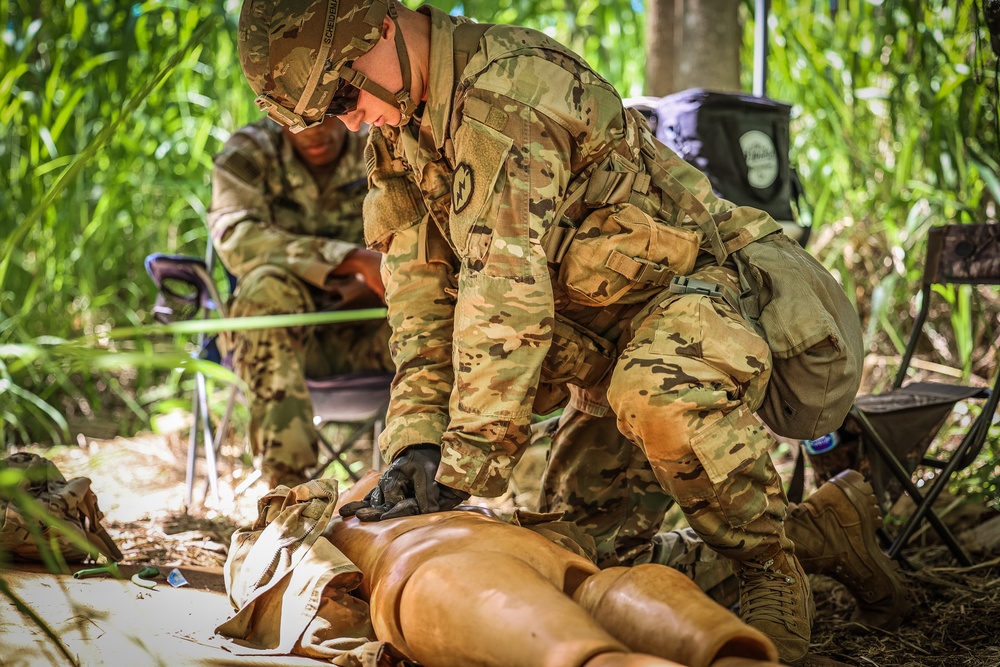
501, 611
658, 610
460, 589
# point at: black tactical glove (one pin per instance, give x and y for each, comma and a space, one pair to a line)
406, 488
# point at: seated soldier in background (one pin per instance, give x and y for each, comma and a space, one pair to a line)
286, 222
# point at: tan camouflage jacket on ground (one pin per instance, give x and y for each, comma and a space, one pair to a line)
463, 207
267, 209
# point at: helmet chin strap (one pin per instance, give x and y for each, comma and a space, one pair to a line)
405, 103
400, 100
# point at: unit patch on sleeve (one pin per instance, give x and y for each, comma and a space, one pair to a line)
462, 188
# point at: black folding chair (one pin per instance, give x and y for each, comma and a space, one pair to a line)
186, 291
897, 427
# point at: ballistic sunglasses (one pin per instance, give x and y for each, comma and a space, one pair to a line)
345, 100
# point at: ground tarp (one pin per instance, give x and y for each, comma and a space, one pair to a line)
105, 622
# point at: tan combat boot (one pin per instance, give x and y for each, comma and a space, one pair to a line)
775, 598
834, 535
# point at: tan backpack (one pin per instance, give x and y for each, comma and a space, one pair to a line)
70, 508
621, 254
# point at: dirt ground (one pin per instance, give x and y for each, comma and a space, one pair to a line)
140, 486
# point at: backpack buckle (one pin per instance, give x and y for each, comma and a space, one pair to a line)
688, 285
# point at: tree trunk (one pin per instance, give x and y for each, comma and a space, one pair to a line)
708, 45
660, 60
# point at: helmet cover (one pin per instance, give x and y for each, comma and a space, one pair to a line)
293, 52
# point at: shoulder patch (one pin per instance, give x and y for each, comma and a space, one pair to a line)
485, 113
243, 157
241, 166
462, 188
249, 150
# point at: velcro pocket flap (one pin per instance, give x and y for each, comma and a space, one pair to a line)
393, 202
477, 177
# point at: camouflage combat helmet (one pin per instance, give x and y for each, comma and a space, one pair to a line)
297, 57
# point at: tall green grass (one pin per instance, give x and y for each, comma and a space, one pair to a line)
110, 112
895, 131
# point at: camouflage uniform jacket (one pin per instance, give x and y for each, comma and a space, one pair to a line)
267, 208
460, 201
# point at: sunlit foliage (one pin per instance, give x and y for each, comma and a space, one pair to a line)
110, 112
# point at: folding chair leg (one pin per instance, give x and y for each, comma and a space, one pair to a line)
338, 454
954, 463
923, 504
207, 439
192, 452
227, 416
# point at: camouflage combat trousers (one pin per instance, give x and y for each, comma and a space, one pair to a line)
274, 363
611, 493
603, 483
683, 390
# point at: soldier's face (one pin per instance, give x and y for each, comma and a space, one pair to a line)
321, 145
381, 65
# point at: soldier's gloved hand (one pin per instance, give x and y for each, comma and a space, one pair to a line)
406, 488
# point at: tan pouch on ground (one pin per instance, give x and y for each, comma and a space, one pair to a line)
73, 504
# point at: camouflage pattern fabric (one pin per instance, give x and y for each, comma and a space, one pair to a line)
268, 209
261, 56
282, 236
274, 363
603, 483
598, 480
687, 553
461, 204
684, 390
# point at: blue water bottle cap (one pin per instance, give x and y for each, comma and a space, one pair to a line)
822, 444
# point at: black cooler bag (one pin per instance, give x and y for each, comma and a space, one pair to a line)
739, 141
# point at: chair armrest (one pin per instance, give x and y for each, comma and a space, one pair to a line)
184, 284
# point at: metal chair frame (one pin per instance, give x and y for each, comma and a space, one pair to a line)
360, 398
956, 254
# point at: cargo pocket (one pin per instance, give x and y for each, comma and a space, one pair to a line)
621, 254
478, 175
725, 445
728, 450
576, 356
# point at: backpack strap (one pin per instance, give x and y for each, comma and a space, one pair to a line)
688, 202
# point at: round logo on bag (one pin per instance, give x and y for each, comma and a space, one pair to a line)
761, 158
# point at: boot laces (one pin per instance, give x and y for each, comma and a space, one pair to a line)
766, 594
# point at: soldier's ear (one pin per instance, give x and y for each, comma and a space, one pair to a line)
388, 28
